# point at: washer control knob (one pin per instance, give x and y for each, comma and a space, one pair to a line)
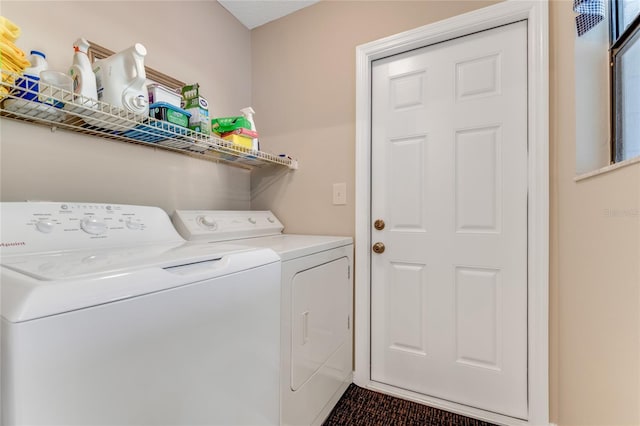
93, 226
252, 220
271, 220
131, 224
208, 222
45, 226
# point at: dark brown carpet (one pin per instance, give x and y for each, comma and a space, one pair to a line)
362, 407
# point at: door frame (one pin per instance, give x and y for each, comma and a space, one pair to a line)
510, 11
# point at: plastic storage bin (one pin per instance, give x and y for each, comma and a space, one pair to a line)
158, 93
167, 112
157, 131
170, 123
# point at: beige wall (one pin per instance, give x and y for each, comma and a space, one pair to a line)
595, 294
184, 39
304, 97
304, 93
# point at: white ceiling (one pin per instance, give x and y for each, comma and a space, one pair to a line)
253, 13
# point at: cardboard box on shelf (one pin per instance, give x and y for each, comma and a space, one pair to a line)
199, 120
191, 97
239, 140
198, 107
242, 132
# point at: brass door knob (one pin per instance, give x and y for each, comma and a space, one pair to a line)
378, 248
379, 224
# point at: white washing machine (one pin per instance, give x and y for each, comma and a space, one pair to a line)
109, 318
317, 294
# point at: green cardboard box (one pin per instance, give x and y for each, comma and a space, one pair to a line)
191, 97
198, 107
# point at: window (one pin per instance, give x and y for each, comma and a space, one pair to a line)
625, 79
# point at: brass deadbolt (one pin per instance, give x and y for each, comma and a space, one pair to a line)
378, 248
379, 224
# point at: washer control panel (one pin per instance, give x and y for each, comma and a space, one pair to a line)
224, 225
43, 226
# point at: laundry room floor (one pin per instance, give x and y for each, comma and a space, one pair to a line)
362, 407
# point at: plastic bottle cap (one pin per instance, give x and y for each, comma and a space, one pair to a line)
37, 52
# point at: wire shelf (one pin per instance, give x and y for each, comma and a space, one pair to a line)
35, 102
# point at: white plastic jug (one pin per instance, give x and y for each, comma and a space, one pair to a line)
30, 81
38, 63
120, 80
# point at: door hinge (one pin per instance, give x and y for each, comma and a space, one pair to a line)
349, 272
348, 322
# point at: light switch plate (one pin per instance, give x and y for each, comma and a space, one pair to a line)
339, 194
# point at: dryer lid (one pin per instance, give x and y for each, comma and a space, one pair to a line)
292, 246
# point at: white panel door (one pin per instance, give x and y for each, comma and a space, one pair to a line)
449, 179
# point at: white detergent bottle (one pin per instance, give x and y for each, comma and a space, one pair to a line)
38, 61
121, 80
30, 81
84, 80
248, 114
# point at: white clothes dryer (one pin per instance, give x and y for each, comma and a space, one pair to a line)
108, 317
316, 304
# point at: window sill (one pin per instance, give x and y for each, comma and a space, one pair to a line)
607, 169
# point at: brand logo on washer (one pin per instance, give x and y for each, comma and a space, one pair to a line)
13, 244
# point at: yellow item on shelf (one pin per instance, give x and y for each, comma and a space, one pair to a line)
240, 141
12, 59
8, 30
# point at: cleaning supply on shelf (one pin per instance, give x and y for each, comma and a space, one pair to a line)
84, 80
238, 140
248, 114
166, 112
121, 80
198, 107
31, 76
38, 63
247, 133
242, 137
222, 125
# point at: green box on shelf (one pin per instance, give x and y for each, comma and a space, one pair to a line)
229, 124
191, 97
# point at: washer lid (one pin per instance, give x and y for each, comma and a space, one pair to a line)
35, 286
95, 264
291, 246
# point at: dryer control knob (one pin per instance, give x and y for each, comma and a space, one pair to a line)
252, 220
93, 226
44, 226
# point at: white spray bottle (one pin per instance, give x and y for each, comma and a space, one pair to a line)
84, 80
248, 114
